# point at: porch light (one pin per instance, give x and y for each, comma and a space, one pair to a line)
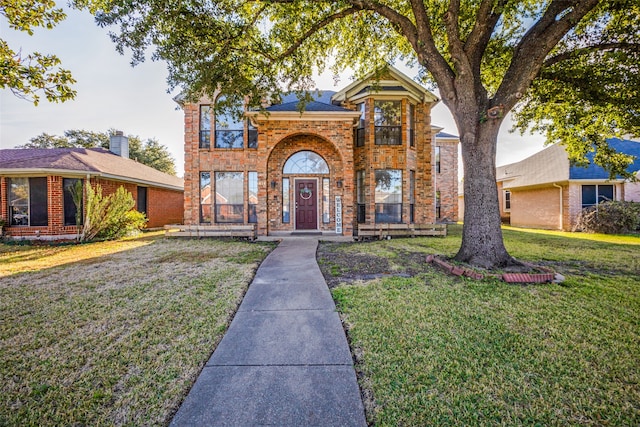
339, 183
274, 184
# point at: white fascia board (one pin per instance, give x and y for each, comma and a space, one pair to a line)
139, 181
66, 173
387, 95
507, 186
33, 172
596, 181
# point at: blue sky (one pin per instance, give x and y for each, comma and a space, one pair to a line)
112, 94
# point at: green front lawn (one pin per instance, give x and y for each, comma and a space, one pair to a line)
113, 333
439, 350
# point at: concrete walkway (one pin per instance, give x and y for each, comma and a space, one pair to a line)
285, 360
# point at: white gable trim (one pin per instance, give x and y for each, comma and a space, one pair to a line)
417, 92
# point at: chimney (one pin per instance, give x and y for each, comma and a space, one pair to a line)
119, 144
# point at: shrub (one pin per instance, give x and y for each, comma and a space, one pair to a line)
110, 217
610, 218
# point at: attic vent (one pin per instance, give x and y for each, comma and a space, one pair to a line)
119, 144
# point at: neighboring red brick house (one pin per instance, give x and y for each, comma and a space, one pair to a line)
36, 202
366, 154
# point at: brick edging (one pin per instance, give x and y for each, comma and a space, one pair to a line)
548, 277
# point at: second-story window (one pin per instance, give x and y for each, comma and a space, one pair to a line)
437, 159
412, 125
252, 136
388, 122
230, 128
205, 126
360, 130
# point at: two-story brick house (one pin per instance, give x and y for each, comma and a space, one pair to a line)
365, 154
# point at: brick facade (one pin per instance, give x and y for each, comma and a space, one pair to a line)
446, 181
164, 207
329, 134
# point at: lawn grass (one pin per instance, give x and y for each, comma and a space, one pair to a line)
439, 350
113, 333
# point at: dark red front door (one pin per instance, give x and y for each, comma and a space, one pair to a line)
306, 204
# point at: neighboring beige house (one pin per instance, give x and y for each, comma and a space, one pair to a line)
546, 191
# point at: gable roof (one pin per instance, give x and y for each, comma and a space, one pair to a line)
593, 171
545, 167
96, 162
552, 165
392, 82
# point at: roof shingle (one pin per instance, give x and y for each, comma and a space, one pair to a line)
97, 161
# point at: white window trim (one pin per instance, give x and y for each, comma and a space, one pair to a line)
504, 203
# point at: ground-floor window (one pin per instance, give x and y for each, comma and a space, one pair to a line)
438, 204
229, 200
286, 205
28, 201
223, 200
73, 200
412, 195
253, 197
595, 194
325, 200
360, 199
18, 199
205, 197
142, 200
388, 195
507, 200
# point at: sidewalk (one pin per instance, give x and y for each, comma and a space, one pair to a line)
285, 360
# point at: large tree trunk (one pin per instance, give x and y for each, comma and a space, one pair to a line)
482, 243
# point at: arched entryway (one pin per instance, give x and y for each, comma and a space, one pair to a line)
309, 173
305, 174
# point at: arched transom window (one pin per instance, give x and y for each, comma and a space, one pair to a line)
306, 162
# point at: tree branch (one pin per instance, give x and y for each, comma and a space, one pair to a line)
427, 52
528, 58
315, 28
458, 55
401, 22
631, 47
486, 21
